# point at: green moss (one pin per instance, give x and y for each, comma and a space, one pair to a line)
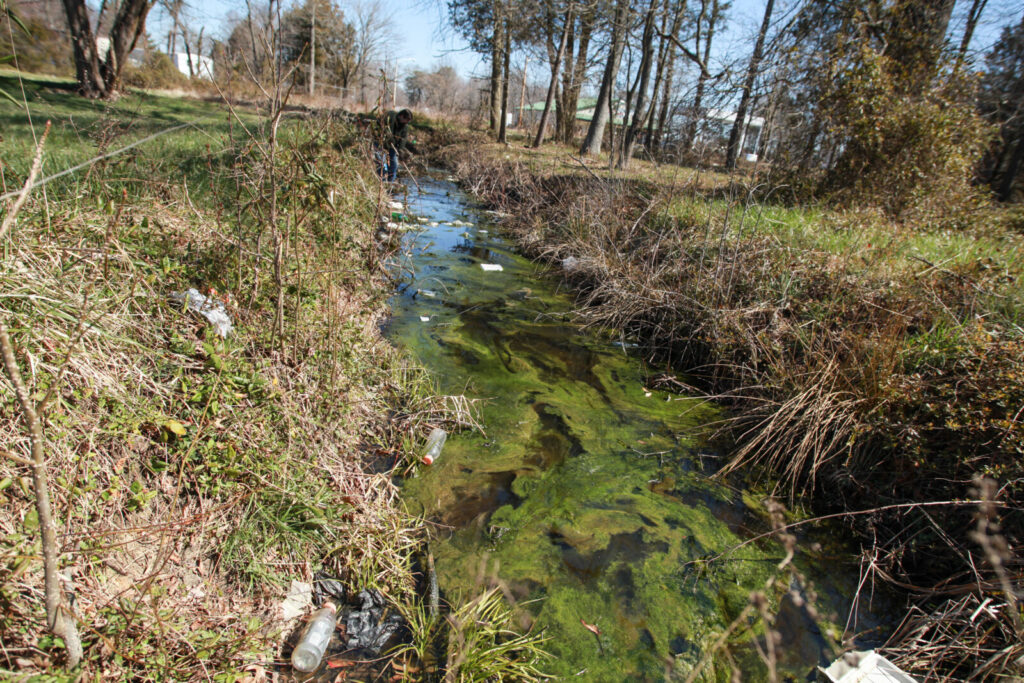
583, 495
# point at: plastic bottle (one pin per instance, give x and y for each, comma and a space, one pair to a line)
310, 650
435, 442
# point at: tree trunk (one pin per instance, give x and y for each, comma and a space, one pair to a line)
83, 45
312, 49
128, 25
659, 74
977, 7
496, 60
670, 68
740, 124
554, 77
1010, 174
188, 57
915, 37
522, 94
579, 72
603, 108
702, 78
641, 111
504, 83
172, 37
563, 113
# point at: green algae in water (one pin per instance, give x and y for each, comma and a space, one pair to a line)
582, 496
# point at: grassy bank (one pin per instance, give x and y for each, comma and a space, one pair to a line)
870, 364
193, 477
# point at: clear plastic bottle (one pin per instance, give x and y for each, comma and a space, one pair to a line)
310, 650
435, 442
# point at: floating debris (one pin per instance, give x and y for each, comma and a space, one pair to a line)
397, 206
424, 318
855, 667
421, 219
427, 292
491, 266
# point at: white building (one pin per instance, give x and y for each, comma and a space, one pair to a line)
202, 67
136, 57
720, 122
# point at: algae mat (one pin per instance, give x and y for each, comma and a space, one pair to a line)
585, 495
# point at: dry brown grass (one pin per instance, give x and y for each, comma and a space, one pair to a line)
866, 363
195, 477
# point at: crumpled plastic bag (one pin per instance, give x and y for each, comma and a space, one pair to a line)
326, 586
212, 310
367, 627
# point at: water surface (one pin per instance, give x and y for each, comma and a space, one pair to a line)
587, 495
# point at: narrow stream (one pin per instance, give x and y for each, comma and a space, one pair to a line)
587, 494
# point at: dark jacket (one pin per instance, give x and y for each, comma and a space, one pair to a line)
396, 133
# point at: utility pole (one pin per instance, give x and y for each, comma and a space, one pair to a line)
312, 51
522, 94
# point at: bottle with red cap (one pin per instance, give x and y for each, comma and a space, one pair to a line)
435, 442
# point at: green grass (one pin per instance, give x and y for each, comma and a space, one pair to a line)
230, 466
83, 129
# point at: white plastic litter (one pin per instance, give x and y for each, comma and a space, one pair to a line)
213, 311
435, 442
424, 318
491, 266
297, 600
427, 292
397, 206
432, 224
421, 219
482, 231
392, 225
570, 263
865, 667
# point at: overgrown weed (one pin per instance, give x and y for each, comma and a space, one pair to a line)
196, 475
867, 361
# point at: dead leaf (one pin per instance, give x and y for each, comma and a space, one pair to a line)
591, 627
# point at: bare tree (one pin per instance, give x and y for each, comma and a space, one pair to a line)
374, 27
740, 124
640, 87
99, 76
555, 64
973, 14
603, 108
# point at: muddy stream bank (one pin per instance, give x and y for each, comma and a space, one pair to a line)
588, 495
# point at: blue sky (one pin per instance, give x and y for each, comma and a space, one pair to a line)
423, 39
420, 28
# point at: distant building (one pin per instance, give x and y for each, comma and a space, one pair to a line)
202, 67
718, 124
584, 110
136, 57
